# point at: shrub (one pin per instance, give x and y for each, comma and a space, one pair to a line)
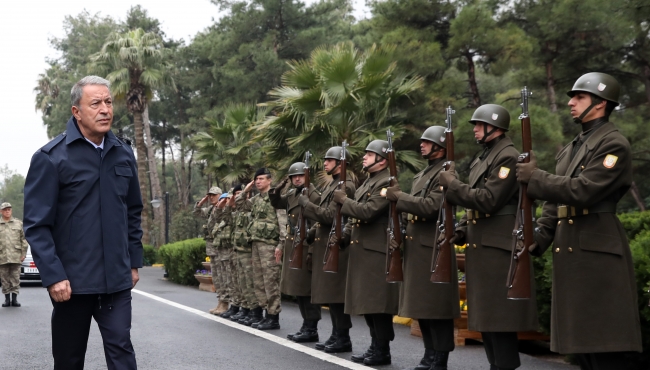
640, 248
182, 259
150, 255
635, 222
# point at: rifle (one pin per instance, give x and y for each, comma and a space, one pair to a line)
300, 233
331, 257
446, 224
394, 271
519, 275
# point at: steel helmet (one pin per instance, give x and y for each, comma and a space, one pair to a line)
435, 134
492, 114
378, 146
600, 84
297, 168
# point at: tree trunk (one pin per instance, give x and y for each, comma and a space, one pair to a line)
471, 76
636, 194
550, 87
646, 81
159, 215
141, 151
163, 146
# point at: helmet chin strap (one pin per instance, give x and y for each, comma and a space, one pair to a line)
338, 163
486, 134
377, 160
432, 151
579, 119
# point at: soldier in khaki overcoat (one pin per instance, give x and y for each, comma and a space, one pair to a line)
297, 282
13, 249
367, 293
490, 199
434, 305
594, 308
326, 287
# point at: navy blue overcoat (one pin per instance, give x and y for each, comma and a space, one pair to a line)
82, 213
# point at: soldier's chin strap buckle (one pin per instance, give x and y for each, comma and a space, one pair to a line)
579, 119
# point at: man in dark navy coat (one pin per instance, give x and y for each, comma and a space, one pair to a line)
82, 220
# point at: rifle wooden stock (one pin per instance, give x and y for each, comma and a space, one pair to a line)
295, 262
331, 258
519, 275
394, 272
441, 264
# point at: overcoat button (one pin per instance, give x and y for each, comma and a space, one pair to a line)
570, 222
557, 250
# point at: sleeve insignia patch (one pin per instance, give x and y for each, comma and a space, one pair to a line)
610, 161
504, 172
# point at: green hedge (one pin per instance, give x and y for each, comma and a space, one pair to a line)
182, 259
150, 255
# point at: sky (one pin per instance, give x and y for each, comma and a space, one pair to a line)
27, 26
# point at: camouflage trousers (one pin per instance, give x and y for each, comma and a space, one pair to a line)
218, 278
266, 277
245, 279
10, 278
229, 276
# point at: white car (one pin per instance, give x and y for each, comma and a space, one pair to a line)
28, 269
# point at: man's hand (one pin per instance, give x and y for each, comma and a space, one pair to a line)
446, 177
22, 258
393, 193
135, 277
203, 200
278, 255
457, 238
339, 196
282, 185
249, 186
222, 203
393, 245
532, 247
525, 170
231, 202
303, 200
60, 292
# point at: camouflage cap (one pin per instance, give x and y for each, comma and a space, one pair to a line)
5, 205
215, 190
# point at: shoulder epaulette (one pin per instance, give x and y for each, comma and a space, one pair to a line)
49, 146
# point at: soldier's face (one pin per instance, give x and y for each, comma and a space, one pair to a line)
95, 111
214, 199
6, 213
298, 180
369, 160
329, 164
581, 101
262, 182
425, 147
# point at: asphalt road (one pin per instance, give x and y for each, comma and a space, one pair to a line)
172, 331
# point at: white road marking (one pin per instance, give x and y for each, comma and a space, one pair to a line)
260, 333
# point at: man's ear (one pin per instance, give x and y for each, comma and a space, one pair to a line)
75, 112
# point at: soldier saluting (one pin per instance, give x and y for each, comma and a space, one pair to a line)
434, 305
297, 282
594, 308
490, 198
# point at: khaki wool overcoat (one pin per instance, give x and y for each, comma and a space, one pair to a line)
367, 291
327, 287
296, 282
493, 191
419, 297
594, 301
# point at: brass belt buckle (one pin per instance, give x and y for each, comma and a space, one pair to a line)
470, 214
562, 212
409, 217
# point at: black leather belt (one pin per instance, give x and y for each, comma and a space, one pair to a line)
564, 211
510, 209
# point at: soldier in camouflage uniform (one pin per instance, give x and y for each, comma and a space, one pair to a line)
226, 254
267, 230
13, 248
210, 213
297, 282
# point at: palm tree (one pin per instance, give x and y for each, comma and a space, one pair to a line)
340, 93
227, 146
135, 64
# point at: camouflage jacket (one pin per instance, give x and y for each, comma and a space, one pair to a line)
267, 224
210, 214
222, 232
240, 220
13, 245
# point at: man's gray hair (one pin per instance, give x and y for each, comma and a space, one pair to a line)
77, 89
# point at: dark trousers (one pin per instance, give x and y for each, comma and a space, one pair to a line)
71, 325
601, 361
438, 334
502, 349
380, 325
308, 310
340, 319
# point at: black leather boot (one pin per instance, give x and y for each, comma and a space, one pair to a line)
309, 334
290, 336
440, 359
342, 343
7, 301
321, 345
359, 358
254, 315
427, 360
243, 312
263, 317
231, 311
381, 354
272, 322
14, 300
